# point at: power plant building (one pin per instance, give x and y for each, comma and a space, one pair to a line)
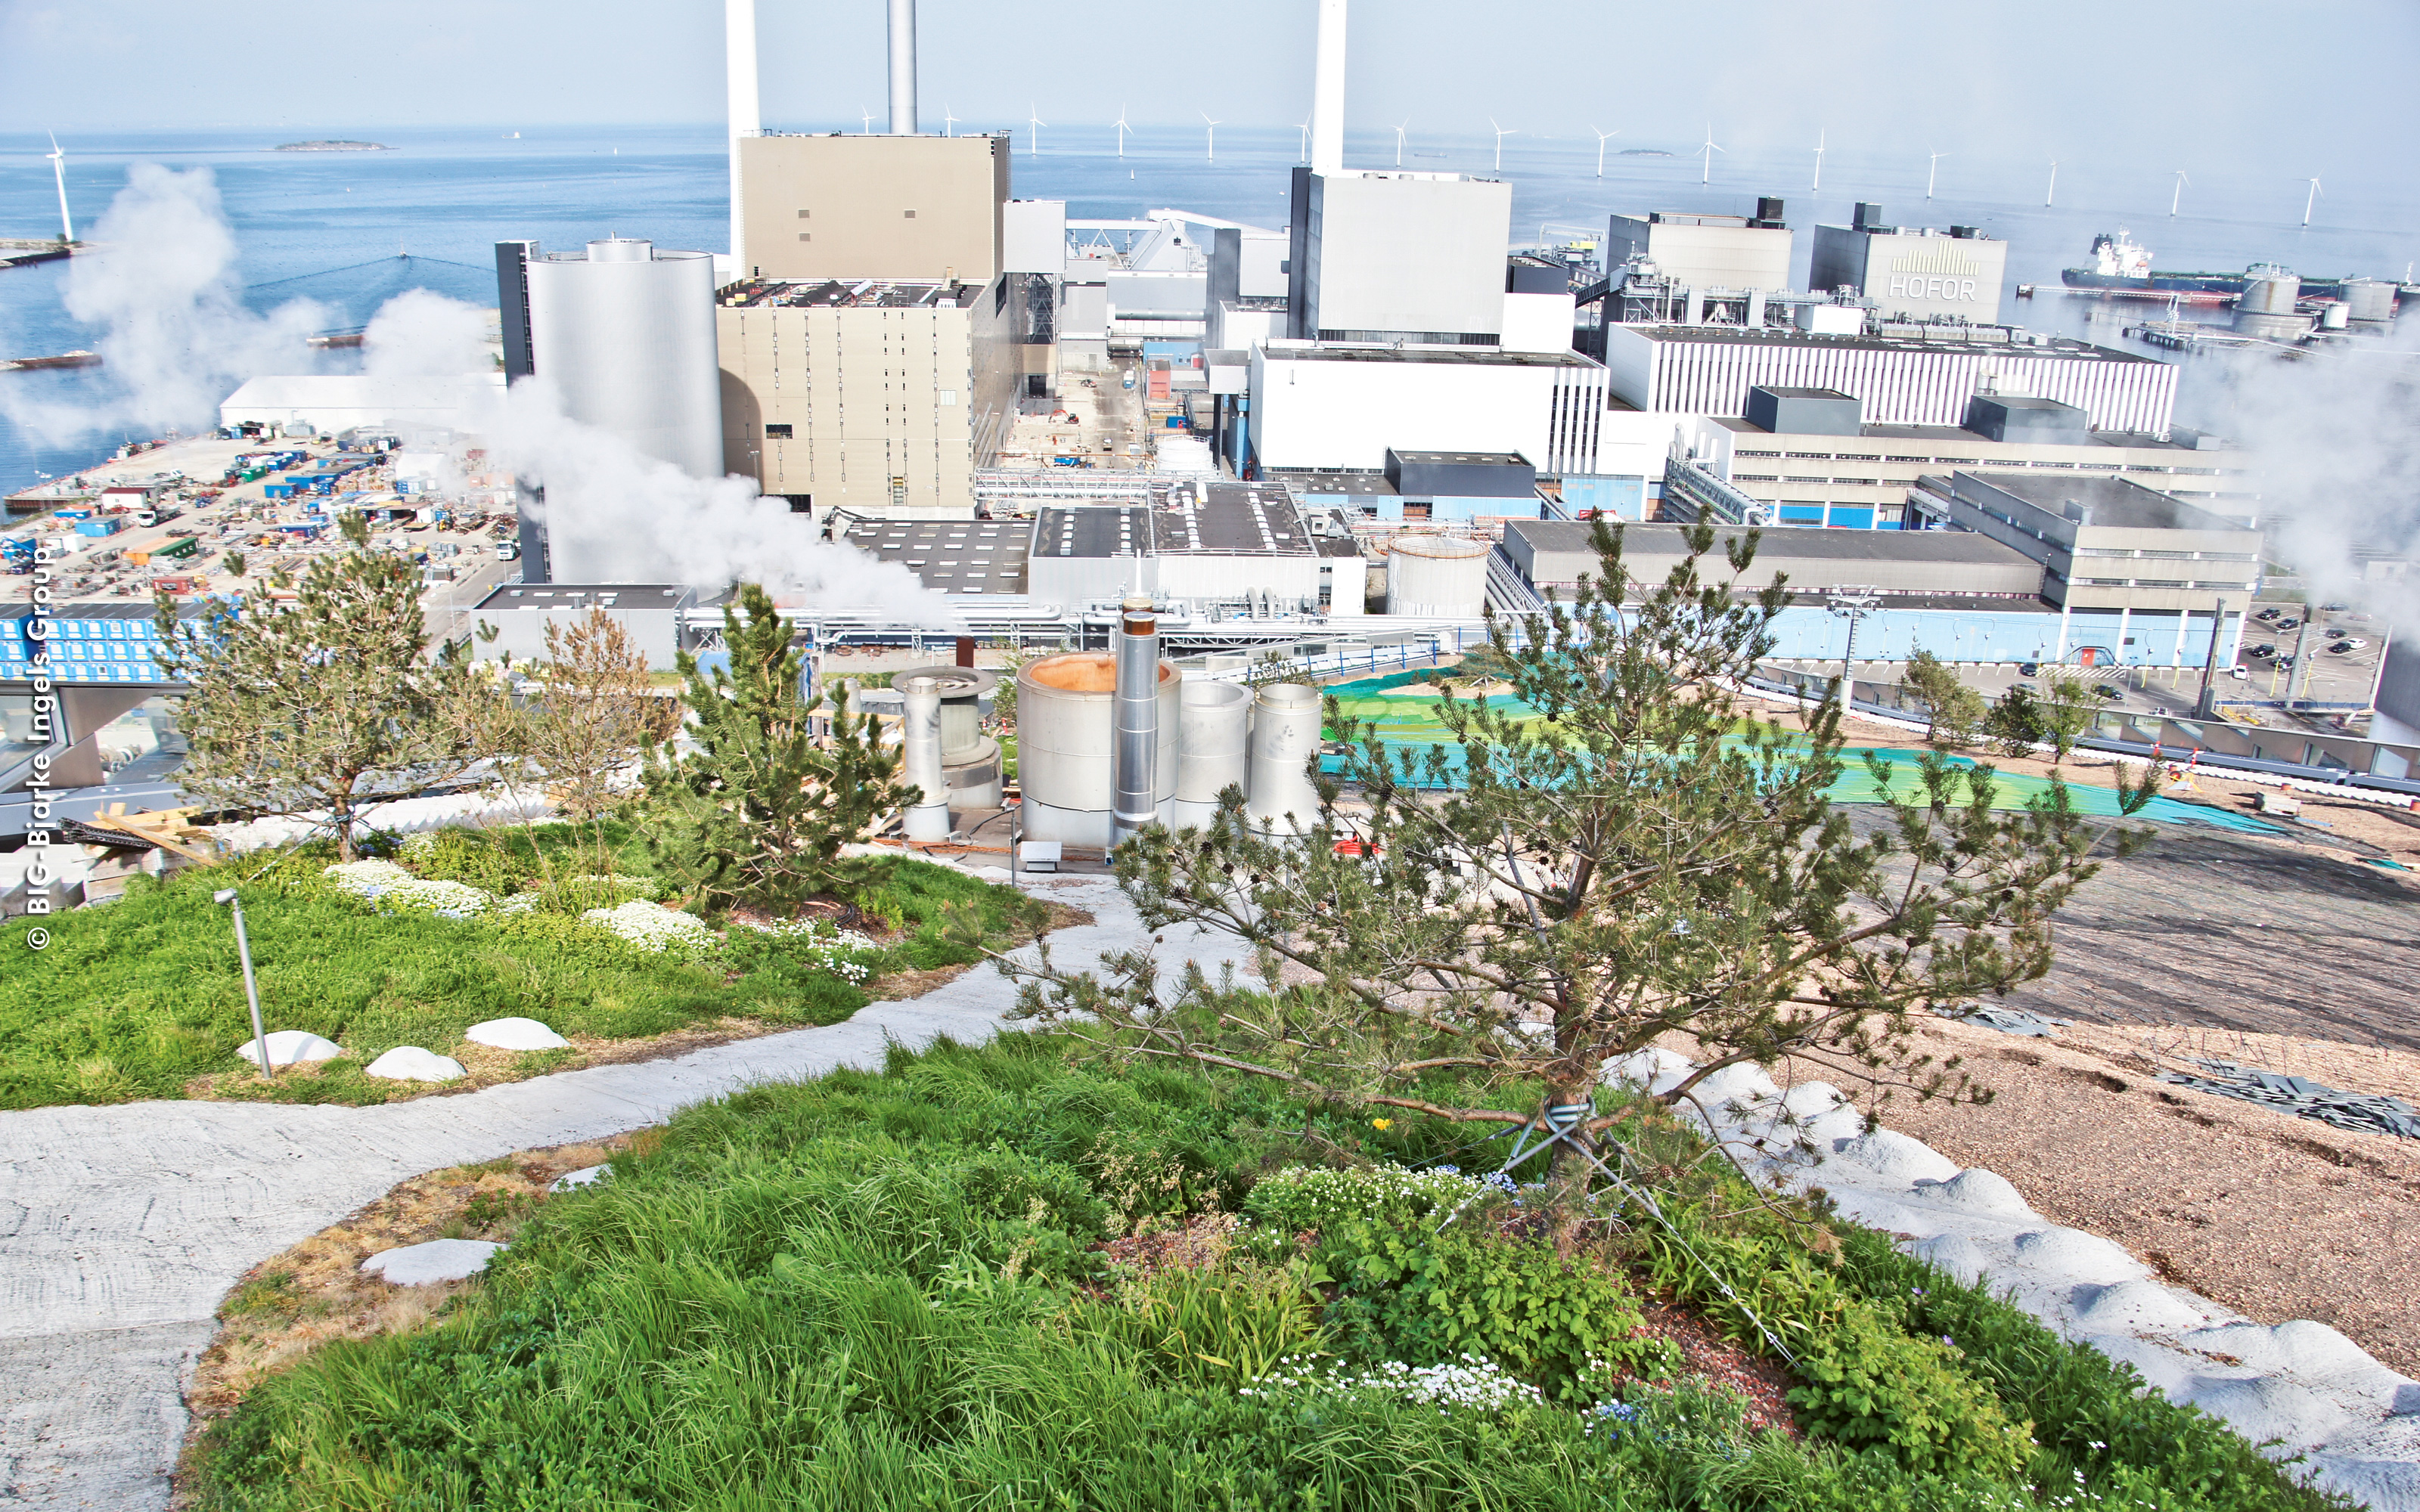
919, 209
1201, 545
878, 397
1912, 274
1394, 256
1331, 408
1707, 252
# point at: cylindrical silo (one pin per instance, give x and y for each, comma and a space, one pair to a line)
1285, 739
2332, 314
2269, 290
1437, 575
1135, 761
1065, 745
970, 764
929, 819
623, 335
1213, 747
2371, 299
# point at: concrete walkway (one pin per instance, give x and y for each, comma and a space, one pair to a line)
121, 1228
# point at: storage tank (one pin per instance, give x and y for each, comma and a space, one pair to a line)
1065, 740
2369, 298
2269, 290
1212, 748
2333, 315
928, 819
1285, 737
1437, 575
624, 333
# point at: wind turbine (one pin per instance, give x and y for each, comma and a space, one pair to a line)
2310, 201
1304, 127
1033, 125
949, 122
867, 115
1500, 134
1601, 138
1818, 158
1932, 170
2178, 197
1399, 142
1211, 133
1706, 175
59, 167
2051, 192
1123, 129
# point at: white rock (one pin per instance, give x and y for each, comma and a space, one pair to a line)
2137, 1307
410, 1063
585, 1176
2269, 1406
440, 1260
1658, 1071
1977, 1190
1894, 1157
291, 1047
515, 1034
2311, 1352
2073, 1255
1956, 1254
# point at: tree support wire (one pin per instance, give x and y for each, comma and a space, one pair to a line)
1560, 1122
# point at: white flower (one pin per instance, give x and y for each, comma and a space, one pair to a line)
1472, 1382
367, 879
831, 952
393, 888
651, 926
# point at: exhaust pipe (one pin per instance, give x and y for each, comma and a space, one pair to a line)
1134, 754
929, 820
903, 67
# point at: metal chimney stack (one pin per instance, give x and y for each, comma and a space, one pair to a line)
1134, 755
1327, 91
903, 67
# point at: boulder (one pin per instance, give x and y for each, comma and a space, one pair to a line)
515, 1034
410, 1063
291, 1047
1978, 1191
2137, 1307
1894, 1157
2073, 1255
440, 1260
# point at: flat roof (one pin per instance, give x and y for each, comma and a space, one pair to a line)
2057, 347
1779, 392
2135, 438
1806, 542
549, 595
1276, 351
851, 294
1334, 485
1470, 459
2119, 504
1208, 519
950, 556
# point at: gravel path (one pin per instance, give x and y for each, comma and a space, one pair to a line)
122, 1227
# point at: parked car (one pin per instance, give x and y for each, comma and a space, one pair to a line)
2028, 669
2103, 690
2287, 624
2334, 609
2349, 643
2270, 615
2263, 648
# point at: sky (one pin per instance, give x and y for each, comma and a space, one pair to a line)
2248, 88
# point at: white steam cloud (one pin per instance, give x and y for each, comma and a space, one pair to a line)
176, 336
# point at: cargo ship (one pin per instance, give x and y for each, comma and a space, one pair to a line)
2122, 266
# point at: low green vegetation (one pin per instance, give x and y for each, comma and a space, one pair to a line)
137, 999
997, 1278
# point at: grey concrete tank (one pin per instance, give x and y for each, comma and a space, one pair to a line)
1213, 747
1437, 575
1285, 737
1066, 741
2370, 298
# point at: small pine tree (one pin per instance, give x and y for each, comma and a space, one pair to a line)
233, 563
332, 702
2015, 722
2065, 716
758, 812
1956, 710
597, 716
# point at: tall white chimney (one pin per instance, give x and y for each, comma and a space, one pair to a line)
1327, 91
903, 67
739, 46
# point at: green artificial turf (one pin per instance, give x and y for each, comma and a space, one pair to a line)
135, 998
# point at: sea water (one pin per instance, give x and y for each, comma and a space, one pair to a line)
350, 230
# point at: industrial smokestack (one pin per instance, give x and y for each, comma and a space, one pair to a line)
1327, 91
739, 49
903, 67
1134, 756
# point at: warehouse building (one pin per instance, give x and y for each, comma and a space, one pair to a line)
1806, 457
958, 557
1322, 407
1908, 376
649, 613
1553, 554
1212, 548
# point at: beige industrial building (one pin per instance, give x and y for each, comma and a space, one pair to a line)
1707, 252
877, 398
2105, 543
861, 207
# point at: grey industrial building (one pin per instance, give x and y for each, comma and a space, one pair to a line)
1395, 257
649, 613
1205, 545
2105, 543
1705, 251
1932, 566
977, 557
1912, 272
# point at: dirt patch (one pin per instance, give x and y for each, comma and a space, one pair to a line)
1762, 1385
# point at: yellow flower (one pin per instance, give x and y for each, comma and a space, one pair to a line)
1382, 1123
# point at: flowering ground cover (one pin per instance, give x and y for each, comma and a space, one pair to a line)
999, 1278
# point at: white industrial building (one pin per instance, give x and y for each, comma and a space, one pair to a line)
1912, 272
1922, 378
1707, 252
1210, 547
1317, 406
332, 403
1395, 257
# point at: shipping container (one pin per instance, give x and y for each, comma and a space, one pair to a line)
104, 526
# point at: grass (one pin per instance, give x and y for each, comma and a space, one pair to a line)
139, 999
893, 1292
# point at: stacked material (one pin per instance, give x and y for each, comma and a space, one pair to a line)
2363, 1112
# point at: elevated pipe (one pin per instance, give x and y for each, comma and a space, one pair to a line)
929, 819
1134, 754
903, 67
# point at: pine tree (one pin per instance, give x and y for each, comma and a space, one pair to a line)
597, 716
1552, 895
332, 702
758, 812
1957, 710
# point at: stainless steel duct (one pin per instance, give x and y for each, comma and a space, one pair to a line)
929, 820
903, 67
1285, 740
1134, 757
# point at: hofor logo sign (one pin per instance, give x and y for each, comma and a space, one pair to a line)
1941, 274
